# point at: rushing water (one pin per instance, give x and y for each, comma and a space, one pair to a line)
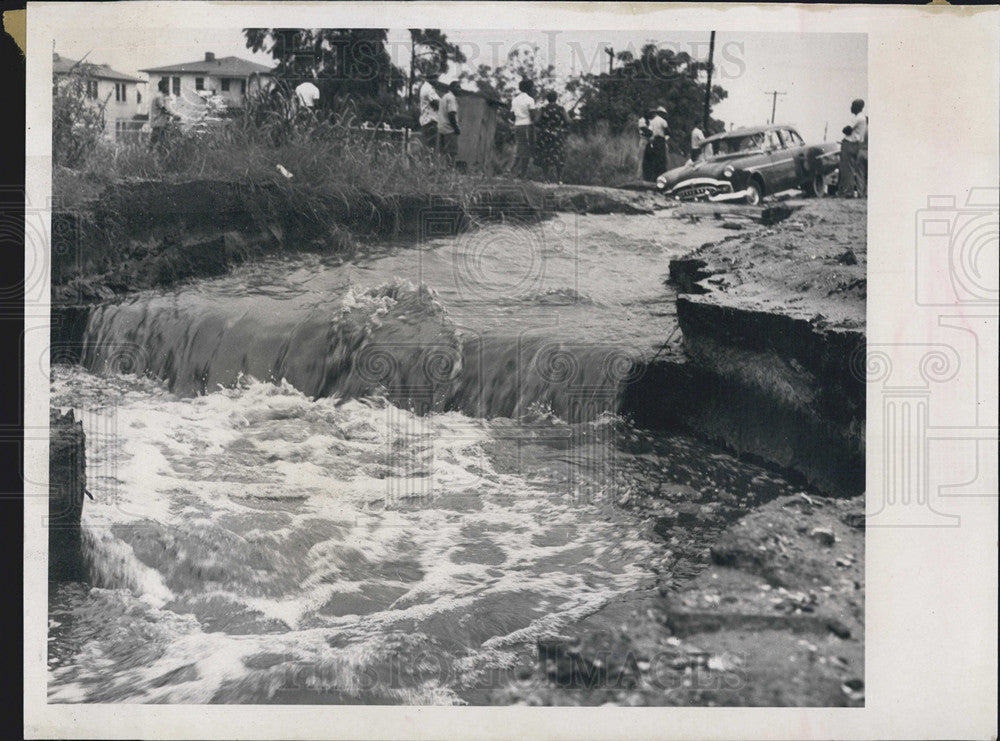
318, 482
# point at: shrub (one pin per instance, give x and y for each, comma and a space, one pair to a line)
77, 120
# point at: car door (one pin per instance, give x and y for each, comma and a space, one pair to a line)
798, 151
757, 160
782, 167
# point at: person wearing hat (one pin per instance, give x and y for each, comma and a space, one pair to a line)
654, 158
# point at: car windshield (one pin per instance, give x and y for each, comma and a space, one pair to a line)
733, 145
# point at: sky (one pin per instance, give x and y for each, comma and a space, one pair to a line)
819, 74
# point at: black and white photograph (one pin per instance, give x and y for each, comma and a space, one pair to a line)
467, 366
388, 372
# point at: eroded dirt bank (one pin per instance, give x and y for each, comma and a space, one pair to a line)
145, 234
773, 336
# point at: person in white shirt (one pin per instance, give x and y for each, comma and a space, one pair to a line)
307, 94
522, 108
697, 137
447, 122
858, 130
162, 116
853, 178
429, 103
654, 158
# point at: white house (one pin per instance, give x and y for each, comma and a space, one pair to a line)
227, 77
121, 94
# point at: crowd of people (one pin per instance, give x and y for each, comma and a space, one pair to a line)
540, 128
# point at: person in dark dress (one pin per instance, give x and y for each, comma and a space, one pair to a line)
654, 157
550, 132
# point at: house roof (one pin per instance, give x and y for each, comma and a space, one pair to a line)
221, 67
62, 65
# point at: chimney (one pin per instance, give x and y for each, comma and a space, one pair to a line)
209, 56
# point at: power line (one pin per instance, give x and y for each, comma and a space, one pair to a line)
774, 100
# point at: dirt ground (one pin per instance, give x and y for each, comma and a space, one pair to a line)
776, 618
811, 264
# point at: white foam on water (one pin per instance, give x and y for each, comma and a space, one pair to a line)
323, 529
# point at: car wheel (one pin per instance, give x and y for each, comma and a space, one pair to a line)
755, 193
817, 187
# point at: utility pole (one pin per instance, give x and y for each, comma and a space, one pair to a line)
774, 101
611, 59
825, 127
708, 85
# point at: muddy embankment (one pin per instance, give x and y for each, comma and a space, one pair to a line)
772, 324
67, 488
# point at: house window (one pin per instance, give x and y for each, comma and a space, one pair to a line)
91, 88
199, 83
176, 85
121, 93
225, 84
138, 96
243, 87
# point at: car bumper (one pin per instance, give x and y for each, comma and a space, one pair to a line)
707, 189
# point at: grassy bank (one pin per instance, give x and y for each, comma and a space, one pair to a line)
326, 161
130, 216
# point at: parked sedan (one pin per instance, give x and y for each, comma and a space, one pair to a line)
750, 163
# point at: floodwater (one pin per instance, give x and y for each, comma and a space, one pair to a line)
375, 482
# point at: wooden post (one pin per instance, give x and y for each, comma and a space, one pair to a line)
708, 84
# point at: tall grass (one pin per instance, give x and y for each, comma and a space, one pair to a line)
330, 161
595, 157
599, 157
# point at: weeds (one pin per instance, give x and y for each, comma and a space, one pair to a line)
334, 168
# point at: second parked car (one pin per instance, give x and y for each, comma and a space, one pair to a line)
750, 163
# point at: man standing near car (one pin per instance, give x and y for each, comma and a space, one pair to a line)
697, 137
854, 154
654, 161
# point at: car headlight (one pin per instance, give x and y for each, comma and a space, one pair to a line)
727, 173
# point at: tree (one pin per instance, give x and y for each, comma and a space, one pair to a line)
77, 115
640, 83
350, 62
522, 64
430, 51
